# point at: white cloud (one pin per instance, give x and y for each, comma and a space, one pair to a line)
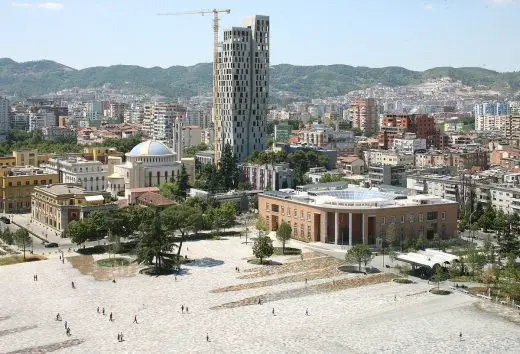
44, 5
428, 7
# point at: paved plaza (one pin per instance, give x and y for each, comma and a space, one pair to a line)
385, 317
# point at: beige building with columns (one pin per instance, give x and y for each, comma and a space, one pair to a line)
357, 215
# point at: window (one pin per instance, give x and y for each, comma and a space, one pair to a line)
267, 206
35, 182
302, 230
402, 219
295, 213
283, 211
421, 217
308, 216
392, 220
411, 218
289, 212
295, 230
383, 220
309, 231
443, 215
301, 215
431, 215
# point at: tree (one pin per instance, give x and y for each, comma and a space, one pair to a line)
170, 190
183, 182
283, 234
509, 243
511, 278
228, 168
263, 247
486, 221
22, 239
153, 243
7, 236
474, 259
224, 216
327, 177
359, 254
438, 275
79, 231
261, 226
183, 219
391, 236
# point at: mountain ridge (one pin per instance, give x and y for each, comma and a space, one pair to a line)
32, 78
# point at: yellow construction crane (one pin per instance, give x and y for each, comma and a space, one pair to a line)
216, 121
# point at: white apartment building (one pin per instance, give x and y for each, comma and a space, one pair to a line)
167, 125
490, 123
57, 133
387, 157
244, 87
41, 119
199, 117
191, 135
409, 144
88, 174
4, 118
326, 137
134, 114
268, 176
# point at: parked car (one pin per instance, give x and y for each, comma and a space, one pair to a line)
51, 245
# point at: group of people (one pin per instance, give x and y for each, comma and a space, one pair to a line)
183, 308
35, 277
67, 328
102, 311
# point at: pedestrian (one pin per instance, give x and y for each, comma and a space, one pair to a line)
187, 309
36, 277
60, 257
259, 301
395, 297
110, 319
103, 311
118, 337
460, 336
67, 331
73, 287
98, 309
175, 278
238, 269
182, 308
306, 312
273, 312
66, 326
58, 317
63, 260
122, 337
305, 281
207, 337
187, 248
301, 257
135, 319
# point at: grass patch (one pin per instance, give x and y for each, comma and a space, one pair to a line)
289, 251
113, 262
19, 259
403, 281
440, 292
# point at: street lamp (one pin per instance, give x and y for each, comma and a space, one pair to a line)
470, 228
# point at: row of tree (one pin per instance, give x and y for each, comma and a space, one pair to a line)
20, 238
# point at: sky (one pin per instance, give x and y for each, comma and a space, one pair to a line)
414, 34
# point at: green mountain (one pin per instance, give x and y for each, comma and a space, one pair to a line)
45, 76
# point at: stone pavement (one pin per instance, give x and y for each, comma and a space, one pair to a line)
364, 319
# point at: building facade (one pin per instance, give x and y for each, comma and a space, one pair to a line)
492, 109
243, 90
273, 177
90, 175
167, 125
57, 205
363, 114
17, 184
357, 215
4, 118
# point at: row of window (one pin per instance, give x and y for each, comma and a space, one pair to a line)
431, 215
294, 213
27, 183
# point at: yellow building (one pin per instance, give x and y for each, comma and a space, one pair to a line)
99, 153
17, 184
29, 158
59, 204
7, 161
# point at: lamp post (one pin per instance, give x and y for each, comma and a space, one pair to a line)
470, 224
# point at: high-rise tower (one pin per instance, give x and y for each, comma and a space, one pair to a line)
244, 86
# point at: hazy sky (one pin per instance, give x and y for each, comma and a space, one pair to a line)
414, 34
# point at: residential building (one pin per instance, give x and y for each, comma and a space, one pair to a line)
167, 125
7, 161
4, 118
90, 175
55, 206
282, 132
205, 157
273, 177
99, 153
351, 165
409, 144
244, 87
363, 114
316, 173
323, 136
492, 109
461, 159
490, 123
375, 157
199, 117
41, 119
57, 133
396, 125
17, 184
29, 157
19, 121
191, 135
134, 114
94, 110
390, 175
357, 215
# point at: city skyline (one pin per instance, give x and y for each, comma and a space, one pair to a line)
436, 33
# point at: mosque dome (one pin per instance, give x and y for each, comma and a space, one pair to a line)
150, 148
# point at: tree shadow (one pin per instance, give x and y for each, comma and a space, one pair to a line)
152, 271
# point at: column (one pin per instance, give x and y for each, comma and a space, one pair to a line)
350, 229
364, 227
323, 235
336, 228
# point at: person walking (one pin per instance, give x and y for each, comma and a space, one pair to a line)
118, 337
73, 286
207, 337
187, 309
135, 319
110, 318
58, 317
460, 336
182, 308
98, 309
36, 276
306, 312
122, 337
103, 311
66, 326
273, 312
67, 331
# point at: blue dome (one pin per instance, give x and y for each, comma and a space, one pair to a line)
150, 148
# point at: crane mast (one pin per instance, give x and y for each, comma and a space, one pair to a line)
215, 111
